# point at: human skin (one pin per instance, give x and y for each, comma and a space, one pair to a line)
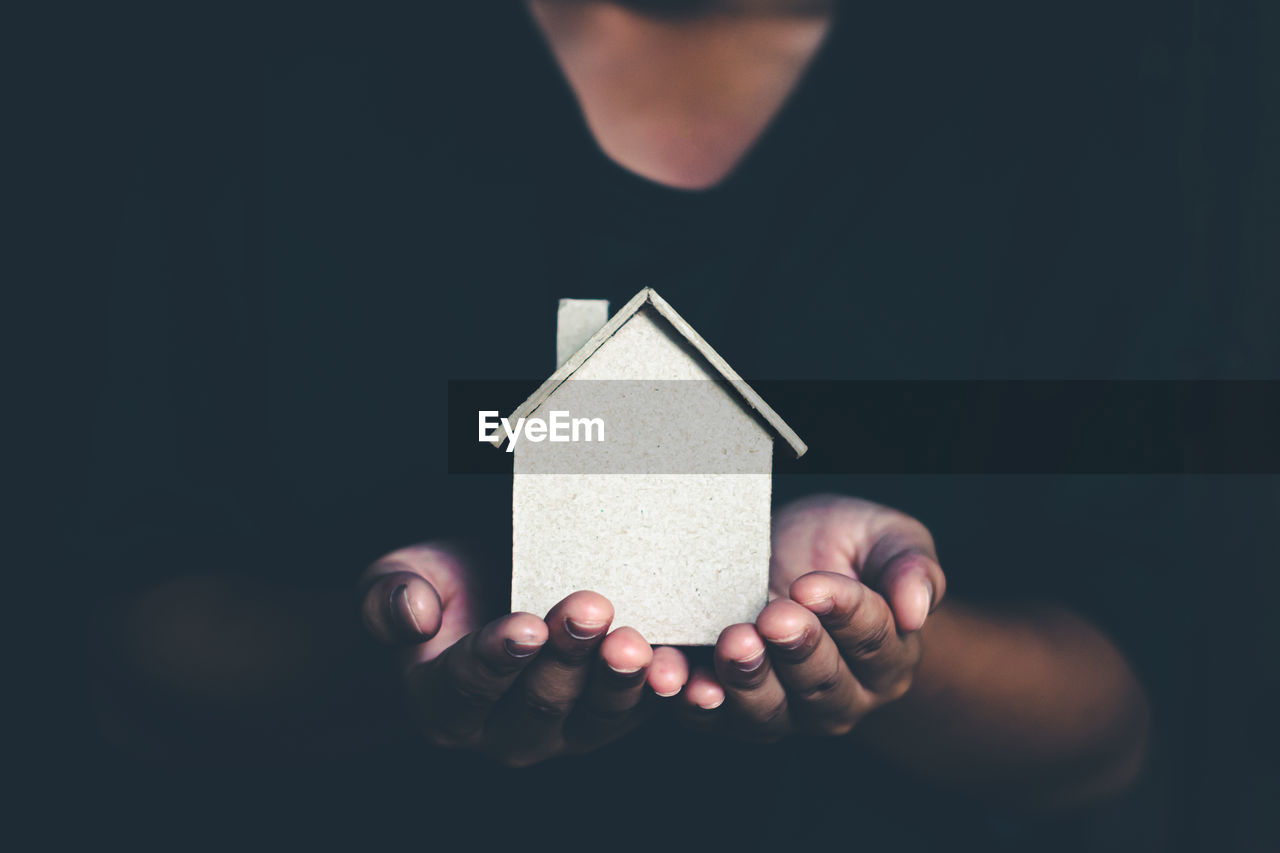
1029, 706
519, 688
678, 92
1032, 708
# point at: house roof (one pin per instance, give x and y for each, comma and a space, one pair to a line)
649, 296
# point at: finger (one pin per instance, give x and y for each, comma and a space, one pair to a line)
460, 689
909, 584
703, 690
669, 671
902, 565
754, 698
861, 624
618, 677
614, 692
401, 607
443, 568
700, 706
822, 693
530, 720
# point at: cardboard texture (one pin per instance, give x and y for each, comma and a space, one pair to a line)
669, 516
576, 321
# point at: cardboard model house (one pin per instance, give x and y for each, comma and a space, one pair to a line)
661, 503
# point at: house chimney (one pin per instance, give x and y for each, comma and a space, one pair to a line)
576, 321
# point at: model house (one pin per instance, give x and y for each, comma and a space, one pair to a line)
643, 472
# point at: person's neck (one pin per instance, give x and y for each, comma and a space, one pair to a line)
680, 98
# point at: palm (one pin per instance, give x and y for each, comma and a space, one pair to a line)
826, 533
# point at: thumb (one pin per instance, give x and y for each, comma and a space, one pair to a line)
902, 565
400, 606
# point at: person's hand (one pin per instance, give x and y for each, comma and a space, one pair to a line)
851, 584
519, 688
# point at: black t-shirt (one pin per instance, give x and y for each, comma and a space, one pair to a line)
320, 223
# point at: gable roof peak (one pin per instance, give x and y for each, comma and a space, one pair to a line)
649, 296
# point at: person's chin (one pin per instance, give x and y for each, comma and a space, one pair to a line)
671, 7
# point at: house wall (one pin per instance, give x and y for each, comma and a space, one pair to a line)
669, 516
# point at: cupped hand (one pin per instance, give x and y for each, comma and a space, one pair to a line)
519, 688
851, 585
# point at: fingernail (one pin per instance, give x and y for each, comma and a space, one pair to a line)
822, 606
927, 588
521, 650
750, 664
712, 706
579, 631
400, 603
667, 695
631, 670
792, 643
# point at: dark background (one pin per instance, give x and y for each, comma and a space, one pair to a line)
1194, 88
